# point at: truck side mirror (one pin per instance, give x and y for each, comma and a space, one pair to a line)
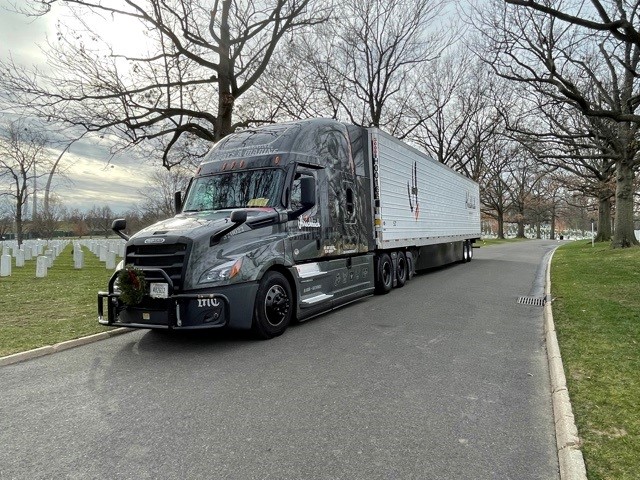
118, 225
238, 216
308, 192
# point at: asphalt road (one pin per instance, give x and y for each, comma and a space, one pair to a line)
445, 378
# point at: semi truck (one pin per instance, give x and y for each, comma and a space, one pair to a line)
284, 222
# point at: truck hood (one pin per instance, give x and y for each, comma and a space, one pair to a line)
194, 224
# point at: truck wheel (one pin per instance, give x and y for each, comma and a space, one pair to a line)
402, 269
274, 307
465, 251
384, 274
468, 251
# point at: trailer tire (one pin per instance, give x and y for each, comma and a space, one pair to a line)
470, 250
273, 307
384, 274
402, 270
465, 251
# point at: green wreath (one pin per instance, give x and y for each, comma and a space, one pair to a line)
132, 285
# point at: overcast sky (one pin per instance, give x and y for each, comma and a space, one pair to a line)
92, 180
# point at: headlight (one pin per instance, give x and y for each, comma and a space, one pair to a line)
120, 266
223, 272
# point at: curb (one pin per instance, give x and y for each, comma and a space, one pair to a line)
570, 459
59, 347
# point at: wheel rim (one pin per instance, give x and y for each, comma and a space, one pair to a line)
402, 267
276, 305
386, 273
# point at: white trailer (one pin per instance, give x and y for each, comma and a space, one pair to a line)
421, 201
421, 205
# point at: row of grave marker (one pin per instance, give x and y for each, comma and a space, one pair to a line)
45, 252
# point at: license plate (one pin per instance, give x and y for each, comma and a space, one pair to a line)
159, 290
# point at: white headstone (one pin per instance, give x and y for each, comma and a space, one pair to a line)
78, 258
49, 255
5, 265
42, 263
27, 252
111, 260
20, 258
103, 252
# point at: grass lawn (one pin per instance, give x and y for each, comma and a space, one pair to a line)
597, 316
487, 242
35, 312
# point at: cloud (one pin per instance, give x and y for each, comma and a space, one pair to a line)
94, 179
93, 176
20, 36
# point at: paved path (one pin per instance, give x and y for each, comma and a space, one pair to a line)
445, 378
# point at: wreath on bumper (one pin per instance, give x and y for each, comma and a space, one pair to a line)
132, 285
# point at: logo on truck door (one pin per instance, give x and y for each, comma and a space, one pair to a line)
412, 192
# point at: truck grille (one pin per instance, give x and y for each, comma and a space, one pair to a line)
170, 257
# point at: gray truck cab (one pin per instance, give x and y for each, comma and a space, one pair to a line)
276, 225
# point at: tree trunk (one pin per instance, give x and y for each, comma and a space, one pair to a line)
604, 220
552, 233
623, 233
225, 114
520, 233
500, 226
225, 77
19, 233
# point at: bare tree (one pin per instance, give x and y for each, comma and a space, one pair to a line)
99, 219
48, 220
559, 136
456, 110
159, 193
593, 70
362, 66
78, 224
23, 155
524, 177
200, 60
495, 191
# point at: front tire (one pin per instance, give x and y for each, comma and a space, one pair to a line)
274, 306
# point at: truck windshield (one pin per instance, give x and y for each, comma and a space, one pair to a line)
248, 188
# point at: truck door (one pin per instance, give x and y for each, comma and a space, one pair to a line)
305, 232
